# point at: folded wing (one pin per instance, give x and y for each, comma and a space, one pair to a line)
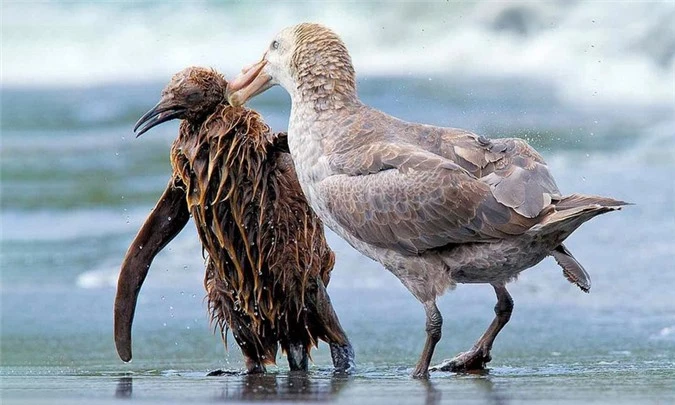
400, 197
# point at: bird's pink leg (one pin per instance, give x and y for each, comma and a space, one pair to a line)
476, 358
433, 328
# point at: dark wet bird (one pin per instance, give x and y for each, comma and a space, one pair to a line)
435, 206
267, 260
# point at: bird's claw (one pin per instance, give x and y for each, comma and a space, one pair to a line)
421, 374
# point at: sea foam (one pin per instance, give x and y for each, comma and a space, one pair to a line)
591, 52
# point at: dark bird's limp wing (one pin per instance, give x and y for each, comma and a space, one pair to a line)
410, 200
166, 220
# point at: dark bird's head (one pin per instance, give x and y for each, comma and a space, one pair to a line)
192, 94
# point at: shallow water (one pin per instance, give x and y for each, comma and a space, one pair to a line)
76, 186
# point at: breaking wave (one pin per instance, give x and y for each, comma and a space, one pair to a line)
590, 52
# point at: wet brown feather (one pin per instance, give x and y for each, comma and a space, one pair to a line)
265, 250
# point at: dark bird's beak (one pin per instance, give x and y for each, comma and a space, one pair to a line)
162, 112
252, 81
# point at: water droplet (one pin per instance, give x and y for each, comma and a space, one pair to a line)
140, 247
117, 153
182, 293
164, 324
168, 219
163, 298
194, 295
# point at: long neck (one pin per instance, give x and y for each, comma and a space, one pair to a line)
325, 94
324, 81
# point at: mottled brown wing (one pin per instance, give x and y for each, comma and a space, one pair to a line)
517, 174
521, 179
410, 200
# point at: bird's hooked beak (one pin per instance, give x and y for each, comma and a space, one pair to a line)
165, 110
252, 81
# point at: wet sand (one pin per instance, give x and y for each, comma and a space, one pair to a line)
554, 384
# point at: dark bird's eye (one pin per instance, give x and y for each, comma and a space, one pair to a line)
194, 97
275, 44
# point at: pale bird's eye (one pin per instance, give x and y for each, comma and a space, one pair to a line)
275, 44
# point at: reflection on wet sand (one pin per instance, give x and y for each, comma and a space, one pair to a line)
125, 386
292, 387
480, 382
485, 384
434, 395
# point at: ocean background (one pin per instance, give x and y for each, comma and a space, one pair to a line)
590, 84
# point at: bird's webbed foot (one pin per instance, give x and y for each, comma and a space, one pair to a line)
219, 373
343, 358
252, 367
470, 361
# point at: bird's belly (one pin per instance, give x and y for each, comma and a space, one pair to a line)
497, 262
426, 276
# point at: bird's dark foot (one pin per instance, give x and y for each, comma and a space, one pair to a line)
343, 358
218, 373
252, 370
472, 361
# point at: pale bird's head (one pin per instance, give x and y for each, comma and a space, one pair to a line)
308, 60
192, 94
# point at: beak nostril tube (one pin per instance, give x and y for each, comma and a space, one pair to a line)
252, 81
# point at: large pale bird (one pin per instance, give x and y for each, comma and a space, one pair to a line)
435, 206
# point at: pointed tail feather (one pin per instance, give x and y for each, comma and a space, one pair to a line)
573, 271
579, 200
573, 210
